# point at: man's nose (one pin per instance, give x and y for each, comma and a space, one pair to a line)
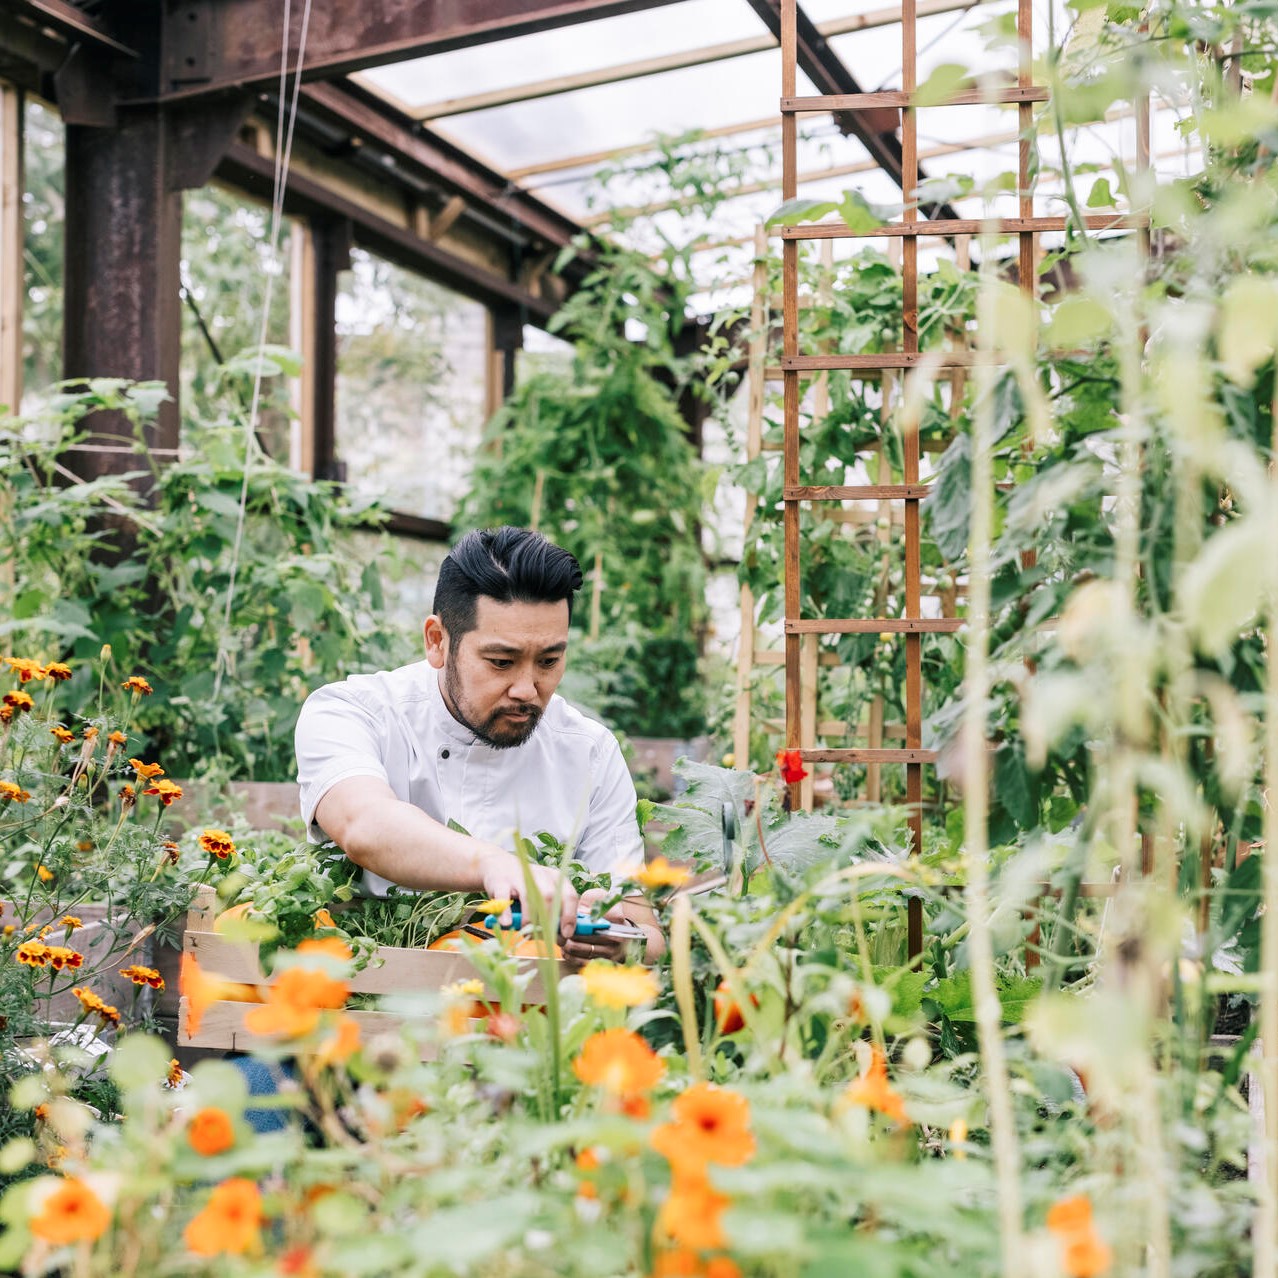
523, 687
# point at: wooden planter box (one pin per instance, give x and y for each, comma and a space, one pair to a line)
402, 971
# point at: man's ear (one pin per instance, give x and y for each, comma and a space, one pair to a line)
436, 638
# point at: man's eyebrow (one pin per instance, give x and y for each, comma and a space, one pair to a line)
496, 648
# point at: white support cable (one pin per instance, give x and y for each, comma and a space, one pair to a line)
283, 154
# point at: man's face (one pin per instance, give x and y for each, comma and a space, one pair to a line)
500, 676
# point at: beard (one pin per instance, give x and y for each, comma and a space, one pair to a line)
503, 729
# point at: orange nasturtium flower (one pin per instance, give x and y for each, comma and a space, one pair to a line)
692, 1215
25, 668
341, 1045
216, 843
72, 1213
683, 1262
791, 764
143, 976
295, 1001
200, 989
619, 1062
1085, 1253
873, 1090
611, 985
57, 671
659, 873
19, 700
13, 793
710, 1125
168, 791
210, 1131
146, 771
229, 1221
65, 735
138, 686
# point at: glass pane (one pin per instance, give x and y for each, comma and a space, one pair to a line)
227, 262
411, 387
43, 202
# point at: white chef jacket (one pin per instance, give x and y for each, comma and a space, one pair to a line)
568, 779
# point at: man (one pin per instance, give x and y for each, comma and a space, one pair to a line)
476, 734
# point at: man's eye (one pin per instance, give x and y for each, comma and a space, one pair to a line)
549, 663
499, 663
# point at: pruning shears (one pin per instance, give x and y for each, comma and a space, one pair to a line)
586, 926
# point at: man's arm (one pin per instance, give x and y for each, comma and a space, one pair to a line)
400, 842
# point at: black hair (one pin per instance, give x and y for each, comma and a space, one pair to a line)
510, 565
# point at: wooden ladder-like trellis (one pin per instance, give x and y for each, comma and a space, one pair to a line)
912, 624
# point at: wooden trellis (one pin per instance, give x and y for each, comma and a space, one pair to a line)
911, 624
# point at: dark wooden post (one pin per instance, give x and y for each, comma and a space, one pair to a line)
123, 244
332, 254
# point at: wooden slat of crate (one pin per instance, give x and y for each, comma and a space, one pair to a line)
222, 1026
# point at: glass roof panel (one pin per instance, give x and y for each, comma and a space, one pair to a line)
566, 51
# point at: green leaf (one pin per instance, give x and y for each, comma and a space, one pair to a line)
1078, 321
941, 85
1221, 590
859, 214
1248, 326
1100, 196
140, 1061
793, 212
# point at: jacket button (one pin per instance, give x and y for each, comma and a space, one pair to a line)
443, 754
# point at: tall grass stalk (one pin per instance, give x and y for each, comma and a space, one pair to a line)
988, 1010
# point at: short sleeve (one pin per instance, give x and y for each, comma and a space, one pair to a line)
610, 840
337, 737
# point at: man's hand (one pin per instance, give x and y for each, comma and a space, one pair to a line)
502, 874
606, 945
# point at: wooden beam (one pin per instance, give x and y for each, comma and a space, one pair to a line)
640, 68
208, 45
12, 287
302, 338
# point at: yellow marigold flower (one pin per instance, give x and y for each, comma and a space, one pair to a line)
143, 976
10, 929
19, 700
146, 771
117, 738
57, 671
464, 989
70, 922
25, 668
65, 735
32, 953
216, 842
494, 905
659, 873
46, 874
168, 791
612, 986
138, 686
61, 956
14, 793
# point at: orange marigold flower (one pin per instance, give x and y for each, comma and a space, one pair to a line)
61, 956
210, 1131
341, 1045
6, 712
25, 668
1084, 1253
873, 1091
1070, 1215
611, 985
175, 1075
65, 735
32, 953
57, 671
19, 700
229, 1221
143, 976
659, 873
791, 764
199, 989
728, 1015
619, 1062
72, 1213
711, 1125
171, 851
138, 686
146, 771
117, 738
294, 1003
44, 874
13, 793
90, 733
692, 1215
128, 796
94, 1006
41, 1112
216, 843
168, 791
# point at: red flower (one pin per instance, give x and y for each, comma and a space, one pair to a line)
791, 764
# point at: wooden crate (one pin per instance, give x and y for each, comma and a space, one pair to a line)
402, 971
